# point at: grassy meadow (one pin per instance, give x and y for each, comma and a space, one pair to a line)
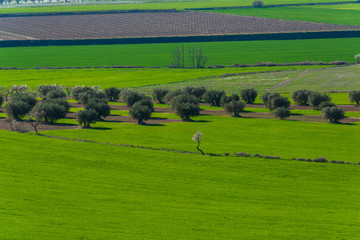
339, 14
222, 53
57, 189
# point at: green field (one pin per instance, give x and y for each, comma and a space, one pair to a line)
343, 14
179, 5
223, 53
56, 189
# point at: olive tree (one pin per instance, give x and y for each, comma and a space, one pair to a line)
248, 95
282, 113
334, 114
20, 105
354, 96
131, 97
185, 106
55, 94
140, 111
301, 97
86, 117
266, 97
195, 91
316, 98
43, 90
159, 94
277, 101
112, 94
50, 111
214, 96
234, 108
100, 106
226, 99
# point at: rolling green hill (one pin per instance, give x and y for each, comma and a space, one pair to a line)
57, 189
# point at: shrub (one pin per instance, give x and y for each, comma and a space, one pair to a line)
234, 107
323, 105
320, 159
86, 117
159, 94
301, 97
226, 99
100, 106
140, 111
195, 91
354, 96
112, 94
282, 113
334, 114
257, 4
278, 101
214, 97
316, 98
55, 94
43, 90
52, 111
185, 106
248, 95
19, 105
131, 97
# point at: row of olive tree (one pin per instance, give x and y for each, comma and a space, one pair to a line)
322, 102
184, 102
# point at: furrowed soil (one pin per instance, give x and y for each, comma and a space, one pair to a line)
149, 24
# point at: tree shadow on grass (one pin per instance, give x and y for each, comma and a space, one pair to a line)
99, 128
112, 121
153, 124
195, 121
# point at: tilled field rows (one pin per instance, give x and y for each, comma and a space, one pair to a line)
149, 24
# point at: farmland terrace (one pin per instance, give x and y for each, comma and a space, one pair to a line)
149, 24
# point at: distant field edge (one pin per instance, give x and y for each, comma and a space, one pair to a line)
276, 5
180, 39
36, 14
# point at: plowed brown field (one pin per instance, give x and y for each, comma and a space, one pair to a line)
149, 24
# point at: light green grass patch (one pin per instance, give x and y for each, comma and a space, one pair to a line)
322, 14
339, 79
122, 78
